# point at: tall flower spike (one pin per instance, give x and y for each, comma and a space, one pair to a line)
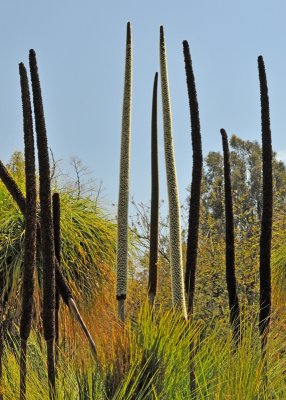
123, 197
57, 243
229, 243
154, 219
31, 228
46, 223
194, 211
267, 209
178, 290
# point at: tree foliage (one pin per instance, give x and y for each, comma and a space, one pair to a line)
211, 297
88, 242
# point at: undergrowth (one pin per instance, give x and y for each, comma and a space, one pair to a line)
149, 359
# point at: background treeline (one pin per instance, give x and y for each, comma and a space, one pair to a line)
211, 292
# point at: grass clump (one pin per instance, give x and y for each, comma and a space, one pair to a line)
149, 359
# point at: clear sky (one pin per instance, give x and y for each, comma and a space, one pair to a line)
81, 46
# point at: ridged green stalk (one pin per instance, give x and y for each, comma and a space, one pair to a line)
267, 209
57, 243
123, 197
31, 228
178, 290
195, 198
229, 242
154, 219
47, 236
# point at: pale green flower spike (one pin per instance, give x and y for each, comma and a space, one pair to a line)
122, 213
178, 290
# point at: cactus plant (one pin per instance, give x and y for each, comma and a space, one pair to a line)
154, 219
178, 291
267, 208
31, 227
229, 241
123, 197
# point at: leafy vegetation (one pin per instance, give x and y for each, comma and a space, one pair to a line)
144, 365
142, 346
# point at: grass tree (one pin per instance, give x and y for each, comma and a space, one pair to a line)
123, 197
178, 291
48, 252
229, 241
61, 283
267, 209
154, 219
31, 228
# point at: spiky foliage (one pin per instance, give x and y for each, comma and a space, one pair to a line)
20, 200
46, 221
88, 243
30, 229
154, 218
229, 242
194, 210
178, 290
267, 207
88, 255
123, 197
57, 243
147, 361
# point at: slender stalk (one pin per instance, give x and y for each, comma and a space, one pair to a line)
154, 219
57, 244
46, 223
195, 197
31, 227
74, 310
194, 210
229, 241
267, 209
122, 213
178, 290
13, 188
62, 286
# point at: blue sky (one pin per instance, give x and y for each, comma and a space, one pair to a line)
80, 48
